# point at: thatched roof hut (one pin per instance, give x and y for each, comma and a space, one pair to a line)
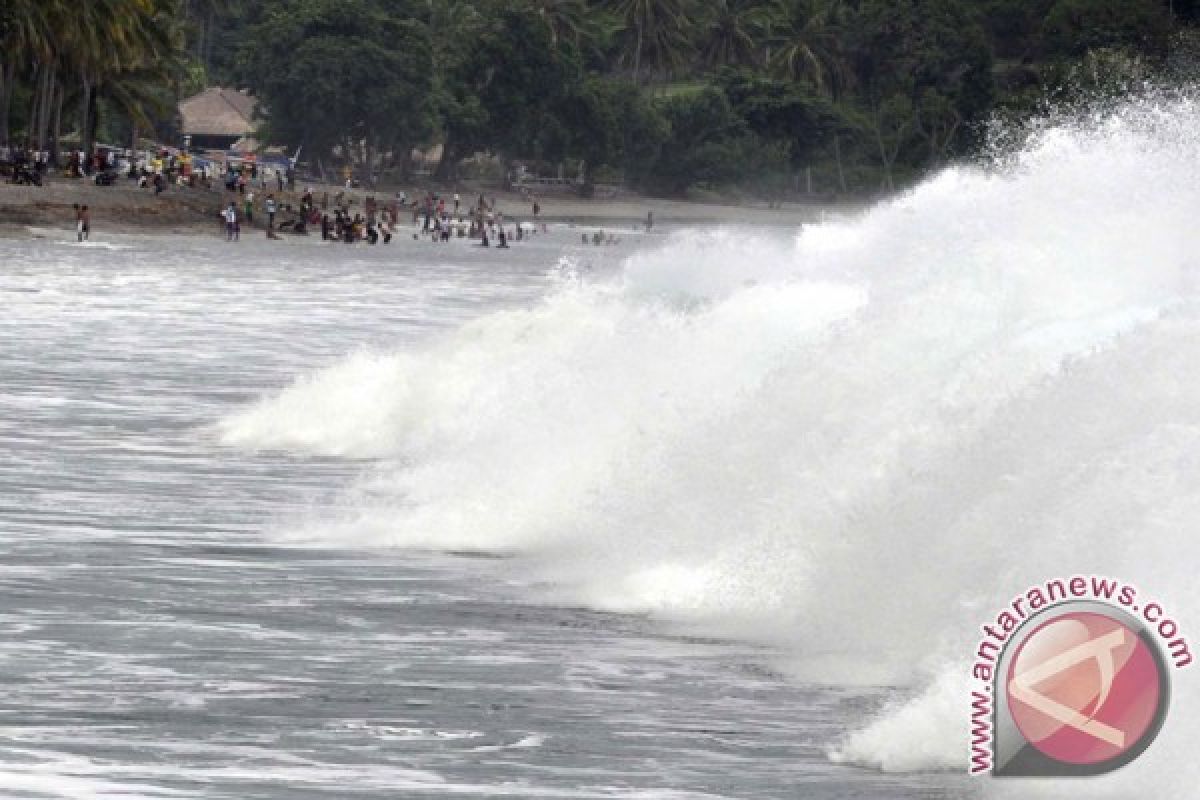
217, 118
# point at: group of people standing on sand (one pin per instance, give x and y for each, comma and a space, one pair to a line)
243, 178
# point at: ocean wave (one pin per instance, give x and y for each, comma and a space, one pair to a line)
853, 443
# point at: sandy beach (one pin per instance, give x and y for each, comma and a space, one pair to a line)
126, 208
122, 207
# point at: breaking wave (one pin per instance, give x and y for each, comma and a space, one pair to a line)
854, 443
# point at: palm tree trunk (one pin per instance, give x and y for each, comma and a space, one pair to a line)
446, 168
8, 77
39, 108
403, 161
208, 37
31, 126
56, 132
637, 55
89, 134
48, 91
837, 157
85, 108
369, 157
883, 158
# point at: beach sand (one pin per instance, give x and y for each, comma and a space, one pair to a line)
125, 208
122, 207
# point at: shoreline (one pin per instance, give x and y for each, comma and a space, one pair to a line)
124, 208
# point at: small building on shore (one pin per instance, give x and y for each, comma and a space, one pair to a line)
218, 119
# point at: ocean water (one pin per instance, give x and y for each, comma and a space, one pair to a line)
711, 513
179, 619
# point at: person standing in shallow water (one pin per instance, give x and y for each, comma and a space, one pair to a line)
231, 223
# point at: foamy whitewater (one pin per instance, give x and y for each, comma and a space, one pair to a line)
715, 513
856, 444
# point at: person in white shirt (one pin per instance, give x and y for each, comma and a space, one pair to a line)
231, 223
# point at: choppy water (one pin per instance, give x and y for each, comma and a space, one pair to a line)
171, 626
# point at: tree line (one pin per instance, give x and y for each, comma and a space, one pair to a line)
60, 61
769, 97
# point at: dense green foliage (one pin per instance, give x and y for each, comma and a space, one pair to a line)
772, 96
55, 56
341, 73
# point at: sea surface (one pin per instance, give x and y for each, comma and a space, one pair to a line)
168, 630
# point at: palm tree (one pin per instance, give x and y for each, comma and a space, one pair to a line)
125, 50
123, 41
736, 29
657, 30
24, 39
147, 85
810, 48
566, 19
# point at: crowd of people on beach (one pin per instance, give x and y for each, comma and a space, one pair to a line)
436, 217
243, 178
104, 166
482, 221
24, 167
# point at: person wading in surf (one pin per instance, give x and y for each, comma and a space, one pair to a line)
231, 222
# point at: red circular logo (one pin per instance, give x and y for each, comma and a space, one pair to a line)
1084, 688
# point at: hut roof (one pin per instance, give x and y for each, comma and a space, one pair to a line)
218, 112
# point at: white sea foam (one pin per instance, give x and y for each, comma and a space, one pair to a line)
856, 443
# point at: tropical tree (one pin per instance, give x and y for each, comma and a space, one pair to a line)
358, 78
126, 51
708, 144
655, 33
504, 95
735, 30
203, 18
24, 38
613, 123
1074, 27
111, 48
565, 19
810, 46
